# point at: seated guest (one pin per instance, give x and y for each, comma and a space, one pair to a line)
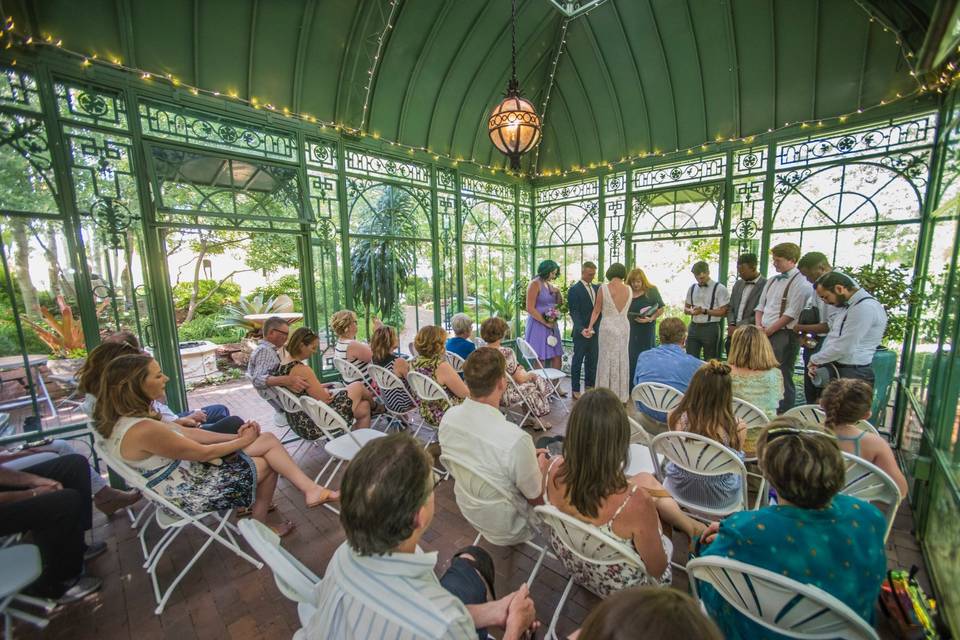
662, 614
212, 417
88, 376
196, 470
814, 535
383, 345
667, 364
754, 369
51, 501
460, 343
431, 361
379, 584
478, 434
352, 403
534, 389
707, 410
265, 359
588, 483
344, 326
847, 401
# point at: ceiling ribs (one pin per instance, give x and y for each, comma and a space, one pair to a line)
303, 41
666, 68
696, 49
572, 128
250, 50
586, 96
396, 6
418, 66
636, 69
863, 64
557, 51
125, 23
338, 108
196, 43
773, 64
611, 89
816, 59
735, 67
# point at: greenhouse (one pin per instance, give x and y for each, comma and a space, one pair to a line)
177, 175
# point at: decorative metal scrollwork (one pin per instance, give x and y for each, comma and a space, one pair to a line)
113, 218
92, 103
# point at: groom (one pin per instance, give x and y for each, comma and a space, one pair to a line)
580, 299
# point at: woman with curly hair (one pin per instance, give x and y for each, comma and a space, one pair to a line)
534, 389
431, 361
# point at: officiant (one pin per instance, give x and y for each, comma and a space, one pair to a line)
645, 307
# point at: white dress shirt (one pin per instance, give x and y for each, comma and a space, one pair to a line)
772, 297
828, 312
504, 454
590, 291
701, 296
855, 333
395, 596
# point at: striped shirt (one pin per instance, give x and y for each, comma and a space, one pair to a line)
396, 596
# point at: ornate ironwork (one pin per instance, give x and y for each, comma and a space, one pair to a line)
101, 170
695, 211
470, 185
174, 123
485, 222
321, 154
568, 224
28, 170
747, 213
750, 161
362, 163
18, 89
695, 172
446, 179
89, 106
580, 190
616, 209
615, 183
113, 218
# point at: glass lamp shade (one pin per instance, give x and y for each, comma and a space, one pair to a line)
514, 127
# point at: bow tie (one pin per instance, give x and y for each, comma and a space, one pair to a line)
782, 276
703, 286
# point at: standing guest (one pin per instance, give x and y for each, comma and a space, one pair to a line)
431, 361
814, 535
543, 296
380, 584
745, 295
816, 317
264, 361
479, 435
754, 369
707, 410
383, 345
352, 403
706, 305
533, 389
344, 325
460, 343
856, 331
780, 304
613, 300
196, 470
580, 299
667, 364
646, 306
847, 401
662, 614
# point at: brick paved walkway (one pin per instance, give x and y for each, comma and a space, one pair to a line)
223, 597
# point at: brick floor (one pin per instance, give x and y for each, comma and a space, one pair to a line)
224, 597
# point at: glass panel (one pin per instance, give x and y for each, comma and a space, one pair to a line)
941, 541
700, 170
89, 106
18, 89
488, 260
667, 265
678, 213
408, 172
27, 182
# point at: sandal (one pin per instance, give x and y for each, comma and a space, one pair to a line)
332, 496
283, 529
482, 564
245, 512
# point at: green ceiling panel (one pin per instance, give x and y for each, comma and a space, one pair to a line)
634, 76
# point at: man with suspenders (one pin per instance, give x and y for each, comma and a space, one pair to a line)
706, 303
783, 297
854, 334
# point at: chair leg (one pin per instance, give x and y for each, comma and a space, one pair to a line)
552, 630
536, 567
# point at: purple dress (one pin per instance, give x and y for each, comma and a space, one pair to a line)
537, 333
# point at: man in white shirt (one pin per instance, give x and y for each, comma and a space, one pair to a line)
476, 434
379, 584
706, 303
854, 334
812, 334
783, 297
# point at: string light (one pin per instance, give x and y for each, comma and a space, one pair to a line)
375, 61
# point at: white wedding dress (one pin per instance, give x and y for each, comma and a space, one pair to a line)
613, 361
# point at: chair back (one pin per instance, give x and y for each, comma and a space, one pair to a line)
471, 486
388, 381
870, 483
865, 425
455, 361
638, 434
811, 414
348, 371
426, 388
288, 400
700, 455
749, 414
656, 396
528, 353
778, 603
293, 578
330, 422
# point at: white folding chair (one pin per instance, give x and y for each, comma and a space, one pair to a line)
350, 372
587, 542
388, 381
290, 402
455, 361
749, 414
473, 491
427, 389
778, 603
870, 483
638, 434
21, 566
173, 520
340, 448
701, 455
553, 376
293, 578
656, 396
865, 425
525, 405
809, 413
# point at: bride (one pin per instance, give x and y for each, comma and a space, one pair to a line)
613, 362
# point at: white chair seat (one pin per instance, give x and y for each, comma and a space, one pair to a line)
346, 446
21, 566
639, 460
549, 374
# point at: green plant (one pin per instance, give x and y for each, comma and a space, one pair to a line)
227, 292
10, 343
504, 304
288, 285
61, 336
895, 288
207, 328
251, 305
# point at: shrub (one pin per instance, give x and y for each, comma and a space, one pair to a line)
228, 292
207, 328
288, 285
10, 345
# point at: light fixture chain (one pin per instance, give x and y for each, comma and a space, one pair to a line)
513, 48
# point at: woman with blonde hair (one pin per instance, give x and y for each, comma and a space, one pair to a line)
344, 325
754, 369
431, 361
351, 403
198, 471
707, 410
532, 388
646, 306
383, 345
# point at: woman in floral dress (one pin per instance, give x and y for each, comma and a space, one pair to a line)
431, 361
532, 388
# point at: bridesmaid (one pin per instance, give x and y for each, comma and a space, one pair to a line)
542, 296
642, 328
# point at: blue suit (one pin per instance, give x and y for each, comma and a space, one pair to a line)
581, 306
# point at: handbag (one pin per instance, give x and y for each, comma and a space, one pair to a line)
911, 613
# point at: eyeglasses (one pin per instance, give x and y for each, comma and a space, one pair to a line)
283, 333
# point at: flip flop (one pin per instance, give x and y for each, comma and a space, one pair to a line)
332, 496
244, 512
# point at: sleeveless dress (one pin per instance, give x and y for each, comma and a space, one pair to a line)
195, 487
613, 364
762, 389
537, 333
432, 411
395, 399
606, 579
536, 390
300, 423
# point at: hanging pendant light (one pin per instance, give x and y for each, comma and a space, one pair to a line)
514, 125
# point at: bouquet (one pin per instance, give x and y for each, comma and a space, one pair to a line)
551, 315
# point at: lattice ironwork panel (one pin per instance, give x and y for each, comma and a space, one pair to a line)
170, 123
615, 183
321, 154
485, 222
750, 161
695, 172
18, 89
568, 224
369, 165
580, 190
473, 186
446, 179
26, 170
746, 219
695, 211
378, 209
322, 192
85, 105
614, 220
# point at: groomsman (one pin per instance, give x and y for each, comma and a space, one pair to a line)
580, 300
783, 297
745, 295
816, 319
706, 303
